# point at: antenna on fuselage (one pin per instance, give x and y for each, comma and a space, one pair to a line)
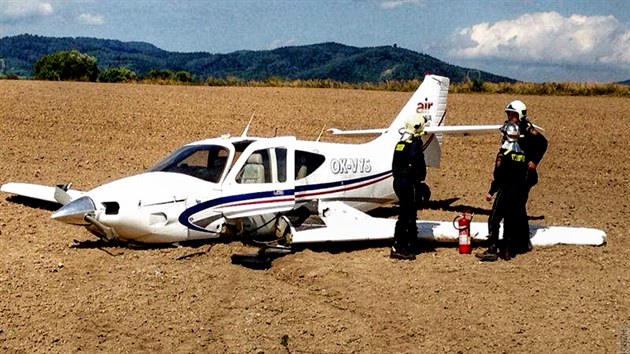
244, 133
321, 132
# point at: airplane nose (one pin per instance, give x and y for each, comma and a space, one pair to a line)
75, 211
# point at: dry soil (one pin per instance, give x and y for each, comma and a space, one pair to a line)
58, 298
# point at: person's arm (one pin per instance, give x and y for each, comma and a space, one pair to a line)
497, 179
417, 162
538, 146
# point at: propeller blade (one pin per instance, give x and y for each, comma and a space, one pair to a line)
61, 196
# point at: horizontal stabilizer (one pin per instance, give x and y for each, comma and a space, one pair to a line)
464, 130
335, 131
40, 192
440, 129
344, 223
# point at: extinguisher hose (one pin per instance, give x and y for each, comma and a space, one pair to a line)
455, 223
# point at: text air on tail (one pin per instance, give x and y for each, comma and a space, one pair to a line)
429, 101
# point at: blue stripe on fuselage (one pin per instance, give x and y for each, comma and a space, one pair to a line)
184, 216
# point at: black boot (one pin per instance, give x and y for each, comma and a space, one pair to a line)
523, 246
400, 252
401, 248
489, 255
506, 254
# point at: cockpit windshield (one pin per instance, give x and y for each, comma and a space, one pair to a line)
207, 162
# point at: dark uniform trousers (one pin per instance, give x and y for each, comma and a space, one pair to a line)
509, 206
406, 231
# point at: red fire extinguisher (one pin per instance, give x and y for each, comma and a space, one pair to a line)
462, 223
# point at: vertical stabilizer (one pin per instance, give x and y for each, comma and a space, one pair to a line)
429, 100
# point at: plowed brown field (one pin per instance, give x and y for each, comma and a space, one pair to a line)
58, 298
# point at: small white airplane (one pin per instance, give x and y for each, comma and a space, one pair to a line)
243, 187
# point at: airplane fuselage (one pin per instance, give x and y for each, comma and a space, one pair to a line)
191, 193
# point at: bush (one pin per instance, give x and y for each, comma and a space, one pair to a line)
160, 75
183, 76
9, 76
119, 74
476, 85
66, 65
229, 81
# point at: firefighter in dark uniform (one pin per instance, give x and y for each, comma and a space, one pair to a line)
409, 171
533, 143
510, 185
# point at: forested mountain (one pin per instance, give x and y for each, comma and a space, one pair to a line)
318, 61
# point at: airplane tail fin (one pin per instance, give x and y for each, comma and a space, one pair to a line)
429, 100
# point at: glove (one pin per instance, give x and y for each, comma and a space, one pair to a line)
423, 194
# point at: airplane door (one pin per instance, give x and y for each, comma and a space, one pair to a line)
262, 180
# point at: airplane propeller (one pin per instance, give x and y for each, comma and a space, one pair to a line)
81, 211
75, 211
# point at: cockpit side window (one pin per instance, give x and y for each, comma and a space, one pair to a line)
281, 163
306, 163
206, 162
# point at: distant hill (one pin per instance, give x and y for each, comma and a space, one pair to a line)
318, 61
627, 82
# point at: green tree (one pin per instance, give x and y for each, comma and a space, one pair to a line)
183, 76
66, 65
119, 74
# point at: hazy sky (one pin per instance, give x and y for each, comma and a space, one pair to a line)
530, 40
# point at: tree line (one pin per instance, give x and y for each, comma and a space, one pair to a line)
73, 65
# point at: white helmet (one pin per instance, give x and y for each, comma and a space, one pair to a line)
518, 107
415, 125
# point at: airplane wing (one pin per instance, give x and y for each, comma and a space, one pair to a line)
55, 194
344, 223
341, 222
